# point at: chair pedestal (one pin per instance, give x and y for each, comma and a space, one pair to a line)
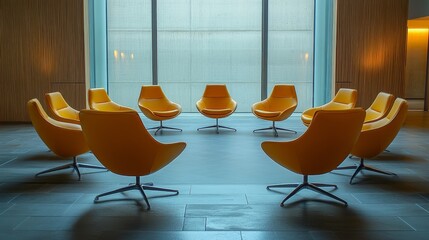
138, 186
160, 127
306, 185
275, 129
75, 165
217, 126
361, 167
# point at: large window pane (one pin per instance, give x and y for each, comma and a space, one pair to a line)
290, 47
129, 53
209, 41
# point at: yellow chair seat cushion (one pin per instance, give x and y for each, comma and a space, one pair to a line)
263, 113
212, 111
168, 113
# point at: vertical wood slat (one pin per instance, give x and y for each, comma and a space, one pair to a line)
371, 47
41, 50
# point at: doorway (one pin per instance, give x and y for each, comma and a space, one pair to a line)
416, 79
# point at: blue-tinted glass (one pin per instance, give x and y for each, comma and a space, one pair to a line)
129, 52
290, 47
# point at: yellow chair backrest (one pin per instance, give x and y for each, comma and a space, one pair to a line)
282, 96
151, 92
64, 139
153, 98
100, 101
122, 144
380, 107
60, 109
216, 96
344, 99
216, 91
283, 91
326, 143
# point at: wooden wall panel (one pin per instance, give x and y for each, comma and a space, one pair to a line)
41, 50
371, 47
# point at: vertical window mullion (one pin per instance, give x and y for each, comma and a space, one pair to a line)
154, 44
264, 54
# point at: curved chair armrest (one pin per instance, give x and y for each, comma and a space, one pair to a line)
308, 114
288, 111
145, 110
62, 115
259, 105
232, 104
177, 106
200, 105
124, 108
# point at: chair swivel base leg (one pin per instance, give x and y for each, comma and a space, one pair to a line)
75, 165
306, 185
138, 186
217, 126
361, 167
161, 127
275, 130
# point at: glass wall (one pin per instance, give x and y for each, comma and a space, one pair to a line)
290, 47
206, 41
209, 41
129, 49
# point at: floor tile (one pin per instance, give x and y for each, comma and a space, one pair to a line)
359, 235
194, 224
263, 235
419, 223
51, 235
121, 208
47, 198
7, 197
389, 198
424, 206
4, 207
38, 209
182, 235
8, 223
301, 223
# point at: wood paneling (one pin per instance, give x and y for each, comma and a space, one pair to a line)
371, 47
41, 50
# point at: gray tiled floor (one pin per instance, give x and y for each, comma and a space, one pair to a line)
221, 179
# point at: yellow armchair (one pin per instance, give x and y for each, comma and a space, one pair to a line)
277, 107
344, 99
216, 103
377, 136
380, 107
326, 143
64, 139
122, 144
156, 106
59, 108
100, 101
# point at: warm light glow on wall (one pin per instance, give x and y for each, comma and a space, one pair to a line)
115, 54
45, 59
418, 30
374, 56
